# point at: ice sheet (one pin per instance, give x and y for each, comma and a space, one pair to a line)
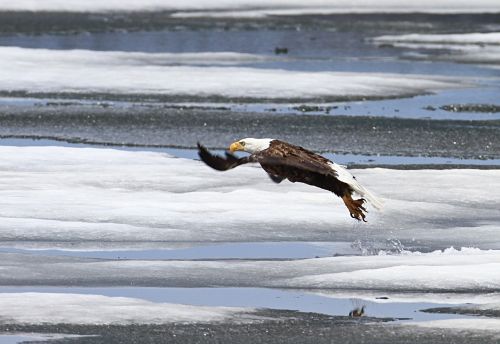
81, 71
462, 38
451, 271
464, 47
55, 308
463, 271
69, 197
257, 7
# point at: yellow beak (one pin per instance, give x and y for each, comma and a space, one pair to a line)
235, 146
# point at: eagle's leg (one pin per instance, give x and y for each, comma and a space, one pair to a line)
355, 207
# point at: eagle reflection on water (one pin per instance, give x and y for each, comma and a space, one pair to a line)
358, 310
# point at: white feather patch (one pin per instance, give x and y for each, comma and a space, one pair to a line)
345, 176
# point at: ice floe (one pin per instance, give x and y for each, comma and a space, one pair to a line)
459, 271
55, 308
83, 71
463, 47
462, 38
88, 198
256, 7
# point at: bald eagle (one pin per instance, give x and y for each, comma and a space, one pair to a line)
282, 160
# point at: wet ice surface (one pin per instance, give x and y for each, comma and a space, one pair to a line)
441, 273
139, 197
59, 72
466, 271
69, 222
85, 309
135, 172
121, 221
420, 106
463, 47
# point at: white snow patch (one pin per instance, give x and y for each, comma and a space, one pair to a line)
462, 38
83, 71
256, 7
464, 270
431, 272
52, 308
72, 195
465, 47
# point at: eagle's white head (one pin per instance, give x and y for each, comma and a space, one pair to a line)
250, 145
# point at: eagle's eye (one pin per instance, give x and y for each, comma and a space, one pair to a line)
242, 143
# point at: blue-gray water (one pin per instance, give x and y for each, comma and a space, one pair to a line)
300, 300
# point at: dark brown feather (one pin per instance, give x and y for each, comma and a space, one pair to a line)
285, 154
301, 165
219, 163
286, 161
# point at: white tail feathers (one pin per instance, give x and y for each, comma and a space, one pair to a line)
375, 201
346, 177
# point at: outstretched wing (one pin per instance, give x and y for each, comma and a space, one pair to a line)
220, 163
287, 155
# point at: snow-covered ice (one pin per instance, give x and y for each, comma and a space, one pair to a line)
257, 7
55, 308
451, 270
66, 197
463, 47
457, 271
84, 71
76, 198
462, 38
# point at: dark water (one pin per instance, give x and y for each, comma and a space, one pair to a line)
182, 128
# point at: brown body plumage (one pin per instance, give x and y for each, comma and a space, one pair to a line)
282, 160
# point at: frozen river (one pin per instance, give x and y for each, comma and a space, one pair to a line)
112, 231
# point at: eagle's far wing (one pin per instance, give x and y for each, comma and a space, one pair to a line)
220, 163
